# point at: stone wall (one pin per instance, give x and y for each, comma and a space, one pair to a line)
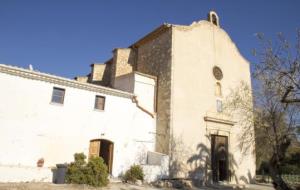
97, 71
100, 74
82, 78
154, 58
123, 62
106, 79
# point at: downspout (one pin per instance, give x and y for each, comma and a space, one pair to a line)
135, 100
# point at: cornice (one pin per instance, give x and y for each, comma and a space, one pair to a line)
217, 120
24, 73
152, 35
146, 75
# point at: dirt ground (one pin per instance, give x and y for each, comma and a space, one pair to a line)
51, 186
111, 186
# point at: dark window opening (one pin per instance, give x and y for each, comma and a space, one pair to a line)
99, 102
58, 95
219, 158
214, 19
104, 149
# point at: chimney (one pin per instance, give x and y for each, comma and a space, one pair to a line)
97, 72
30, 67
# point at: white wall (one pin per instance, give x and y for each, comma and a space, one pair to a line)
31, 127
144, 89
157, 166
143, 86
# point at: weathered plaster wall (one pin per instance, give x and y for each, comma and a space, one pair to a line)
125, 83
154, 58
32, 127
196, 50
13, 173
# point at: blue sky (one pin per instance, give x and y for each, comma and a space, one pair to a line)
63, 37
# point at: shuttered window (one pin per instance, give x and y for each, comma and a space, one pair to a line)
99, 102
58, 95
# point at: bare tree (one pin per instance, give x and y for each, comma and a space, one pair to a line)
276, 112
274, 124
280, 62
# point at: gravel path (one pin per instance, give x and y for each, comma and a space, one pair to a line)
51, 186
111, 186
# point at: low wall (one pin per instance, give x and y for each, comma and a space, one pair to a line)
157, 166
25, 174
154, 173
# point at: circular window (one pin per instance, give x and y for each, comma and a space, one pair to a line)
217, 73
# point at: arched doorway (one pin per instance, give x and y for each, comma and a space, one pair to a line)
103, 148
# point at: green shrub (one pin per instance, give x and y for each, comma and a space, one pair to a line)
97, 174
133, 174
290, 169
93, 172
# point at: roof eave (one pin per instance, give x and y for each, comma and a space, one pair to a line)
152, 35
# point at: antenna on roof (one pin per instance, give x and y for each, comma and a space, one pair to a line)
30, 67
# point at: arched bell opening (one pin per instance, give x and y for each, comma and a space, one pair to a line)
213, 18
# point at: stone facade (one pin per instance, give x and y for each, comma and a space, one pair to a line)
83, 79
154, 58
97, 72
197, 49
123, 63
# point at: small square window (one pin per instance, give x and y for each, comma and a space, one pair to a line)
99, 102
219, 106
58, 95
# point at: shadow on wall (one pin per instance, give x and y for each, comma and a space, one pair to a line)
198, 167
201, 164
248, 179
178, 153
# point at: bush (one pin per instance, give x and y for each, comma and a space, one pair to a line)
93, 172
133, 174
290, 169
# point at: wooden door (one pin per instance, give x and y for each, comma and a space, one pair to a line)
103, 148
219, 157
110, 159
94, 149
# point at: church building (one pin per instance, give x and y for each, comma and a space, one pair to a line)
157, 103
